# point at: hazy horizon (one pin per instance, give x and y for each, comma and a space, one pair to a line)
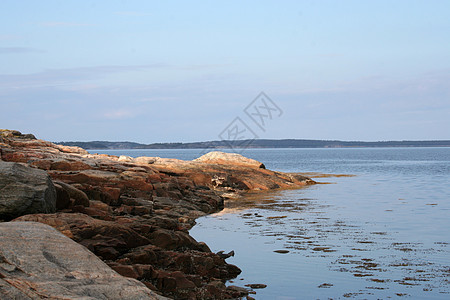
207, 141
156, 72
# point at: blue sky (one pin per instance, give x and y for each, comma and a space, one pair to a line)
169, 71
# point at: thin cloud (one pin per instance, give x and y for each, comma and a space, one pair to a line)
132, 13
330, 55
119, 114
71, 76
157, 99
64, 24
19, 50
8, 37
56, 77
202, 67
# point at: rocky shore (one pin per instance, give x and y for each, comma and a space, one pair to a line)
116, 215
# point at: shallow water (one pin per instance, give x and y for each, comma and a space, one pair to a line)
380, 234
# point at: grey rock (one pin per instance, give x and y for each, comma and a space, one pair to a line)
38, 262
25, 190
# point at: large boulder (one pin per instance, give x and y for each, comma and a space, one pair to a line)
16, 134
25, 190
106, 239
223, 158
38, 262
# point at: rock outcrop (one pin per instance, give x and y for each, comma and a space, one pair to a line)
24, 190
223, 158
135, 213
38, 262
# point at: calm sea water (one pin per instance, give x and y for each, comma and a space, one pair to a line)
383, 233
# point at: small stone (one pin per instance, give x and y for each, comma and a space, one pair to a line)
256, 285
225, 255
281, 251
238, 289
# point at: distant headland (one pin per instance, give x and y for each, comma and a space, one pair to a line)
258, 143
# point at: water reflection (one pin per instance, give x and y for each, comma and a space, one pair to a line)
326, 256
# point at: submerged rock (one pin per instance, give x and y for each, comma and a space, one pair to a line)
281, 251
257, 285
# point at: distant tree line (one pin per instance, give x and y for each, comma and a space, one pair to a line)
260, 143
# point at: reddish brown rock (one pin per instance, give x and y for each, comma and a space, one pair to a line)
64, 165
135, 213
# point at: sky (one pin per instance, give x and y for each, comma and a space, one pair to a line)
184, 71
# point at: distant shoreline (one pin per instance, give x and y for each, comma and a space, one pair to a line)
256, 144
